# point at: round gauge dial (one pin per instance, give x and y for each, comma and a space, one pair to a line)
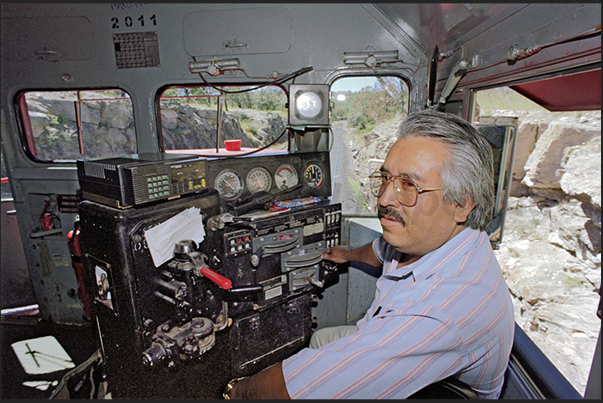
313, 175
285, 177
258, 179
229, 184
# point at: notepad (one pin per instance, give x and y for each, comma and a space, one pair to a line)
42, 355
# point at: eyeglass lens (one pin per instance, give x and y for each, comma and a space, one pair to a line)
404, 189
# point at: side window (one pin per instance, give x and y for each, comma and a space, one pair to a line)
70, 125
365, 114
256, 116
5, 186
550, 254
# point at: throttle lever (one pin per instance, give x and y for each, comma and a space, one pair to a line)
219, 279
202, 269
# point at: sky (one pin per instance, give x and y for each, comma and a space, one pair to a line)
353, 84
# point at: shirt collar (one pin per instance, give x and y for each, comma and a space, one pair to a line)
428, 262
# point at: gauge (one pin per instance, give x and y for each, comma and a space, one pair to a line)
229, 184
258, 179
285, 177
313, 174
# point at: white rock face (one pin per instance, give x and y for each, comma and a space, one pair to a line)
542, 166
551, 249
554, 289
581, 174
526, 141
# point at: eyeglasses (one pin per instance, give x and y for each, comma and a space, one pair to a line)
405, 190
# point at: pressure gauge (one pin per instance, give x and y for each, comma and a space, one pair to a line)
229, 184
313, 175
258, 179
285, 177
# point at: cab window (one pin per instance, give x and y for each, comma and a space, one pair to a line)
255, 115
365, 114
70, 125
550, 255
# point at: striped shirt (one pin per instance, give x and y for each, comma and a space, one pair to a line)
448, 313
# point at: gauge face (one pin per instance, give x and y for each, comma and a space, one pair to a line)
229, 184
313, 175
258, 179
285, 177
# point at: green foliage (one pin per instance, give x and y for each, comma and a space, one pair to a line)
63, 120
249, 128
503, 98
115, 94
263, 99
372, 105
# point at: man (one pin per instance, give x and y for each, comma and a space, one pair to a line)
441, 307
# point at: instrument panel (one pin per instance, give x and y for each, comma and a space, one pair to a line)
281, 176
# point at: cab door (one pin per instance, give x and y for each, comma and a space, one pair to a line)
43, 134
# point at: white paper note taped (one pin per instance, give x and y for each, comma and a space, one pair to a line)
162, 238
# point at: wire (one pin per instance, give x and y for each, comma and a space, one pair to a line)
332, 136
281, 80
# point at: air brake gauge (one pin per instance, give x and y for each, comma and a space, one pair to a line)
258, 179
285, 177
229, 184
313, 175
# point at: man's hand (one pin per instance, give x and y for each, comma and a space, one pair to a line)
335, 254
363, 254
269, 383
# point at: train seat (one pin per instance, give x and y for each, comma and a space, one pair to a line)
449, 388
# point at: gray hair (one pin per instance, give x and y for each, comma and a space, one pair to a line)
468, 172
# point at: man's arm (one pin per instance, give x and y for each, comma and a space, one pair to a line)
362, 254
269, 383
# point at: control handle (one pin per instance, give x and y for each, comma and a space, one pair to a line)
201, 269
219, 279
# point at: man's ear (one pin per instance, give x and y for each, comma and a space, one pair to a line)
461, 211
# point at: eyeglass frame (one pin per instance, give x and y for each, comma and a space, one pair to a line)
391, 178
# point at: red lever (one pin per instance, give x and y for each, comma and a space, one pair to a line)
219, 279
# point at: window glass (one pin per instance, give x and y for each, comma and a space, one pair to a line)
550, 252
5, 186
256, 116
70, 125
365, 114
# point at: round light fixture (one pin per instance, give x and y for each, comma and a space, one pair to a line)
308, 104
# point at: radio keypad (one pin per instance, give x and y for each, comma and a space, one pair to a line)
158, 186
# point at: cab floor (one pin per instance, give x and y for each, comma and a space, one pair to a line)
78, 341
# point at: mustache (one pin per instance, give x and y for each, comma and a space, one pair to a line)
390, 213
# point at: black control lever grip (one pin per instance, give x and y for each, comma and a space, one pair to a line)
260, 200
